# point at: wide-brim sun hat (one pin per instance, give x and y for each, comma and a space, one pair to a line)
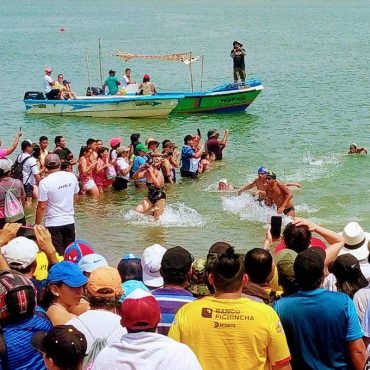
356, 241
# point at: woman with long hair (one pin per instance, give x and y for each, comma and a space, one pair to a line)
86, 166
155, 202
348, 274
104, 173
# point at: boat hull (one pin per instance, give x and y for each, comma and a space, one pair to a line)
218, 102
105, 107
227, 98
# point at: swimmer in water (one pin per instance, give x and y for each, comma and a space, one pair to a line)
354, 149
223, 185
278, 193
260, 183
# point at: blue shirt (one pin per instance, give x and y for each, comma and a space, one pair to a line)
21, 354
129, 286
318, 325
138, 161
187, 153
170, 301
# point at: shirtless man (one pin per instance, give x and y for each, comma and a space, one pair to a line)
354, 149
260, 183
278, 193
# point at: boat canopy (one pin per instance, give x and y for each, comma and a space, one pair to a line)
185, 58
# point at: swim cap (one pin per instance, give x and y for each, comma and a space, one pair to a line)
353, 145
263, 169
224, 181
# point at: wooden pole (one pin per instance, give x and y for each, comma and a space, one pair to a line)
191, 74
201, 76
100, 65
88, 71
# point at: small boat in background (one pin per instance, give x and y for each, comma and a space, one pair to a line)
103, 106
226, 98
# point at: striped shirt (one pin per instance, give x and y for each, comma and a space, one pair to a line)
21, 354
170, 301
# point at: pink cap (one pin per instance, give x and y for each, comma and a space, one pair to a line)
48, 69
114, 141
140, 311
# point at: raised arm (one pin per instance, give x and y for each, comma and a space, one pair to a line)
15, 144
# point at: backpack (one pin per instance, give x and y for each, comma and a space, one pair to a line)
98, 345
110, 172
13, 208
16, 170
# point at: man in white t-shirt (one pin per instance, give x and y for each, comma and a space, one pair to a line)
50, 93
30, 172
57, 194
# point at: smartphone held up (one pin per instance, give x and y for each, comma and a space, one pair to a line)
276, 226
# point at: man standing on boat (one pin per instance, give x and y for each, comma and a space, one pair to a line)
112, 83
238, 53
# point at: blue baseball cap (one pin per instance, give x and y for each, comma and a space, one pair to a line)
263, 169
67, 273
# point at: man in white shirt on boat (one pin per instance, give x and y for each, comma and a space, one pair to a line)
126, 80
50, 92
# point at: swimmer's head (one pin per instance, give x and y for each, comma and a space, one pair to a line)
222, 184
271, 175
353, 147
263, 170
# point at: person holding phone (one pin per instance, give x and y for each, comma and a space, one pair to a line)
213, 145
5, 152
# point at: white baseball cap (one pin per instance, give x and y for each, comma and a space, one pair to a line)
151, 264
92, 261
20, 252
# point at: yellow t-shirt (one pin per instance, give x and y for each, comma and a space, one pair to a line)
41, 272
231, 334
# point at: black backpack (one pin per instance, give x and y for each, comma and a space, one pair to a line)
16, 170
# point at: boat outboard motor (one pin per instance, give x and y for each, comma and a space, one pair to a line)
34, 95
92, 91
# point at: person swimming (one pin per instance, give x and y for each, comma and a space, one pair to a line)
354, 149
223, 185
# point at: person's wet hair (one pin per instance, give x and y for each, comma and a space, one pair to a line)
228, 271
258, 265
297, 238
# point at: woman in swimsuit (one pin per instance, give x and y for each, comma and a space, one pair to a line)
155, 202
86, 166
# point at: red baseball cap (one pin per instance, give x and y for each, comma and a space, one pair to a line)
140, 311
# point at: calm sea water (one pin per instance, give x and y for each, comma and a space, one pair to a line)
311, 55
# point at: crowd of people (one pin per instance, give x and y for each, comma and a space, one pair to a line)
298, 301
99, 168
